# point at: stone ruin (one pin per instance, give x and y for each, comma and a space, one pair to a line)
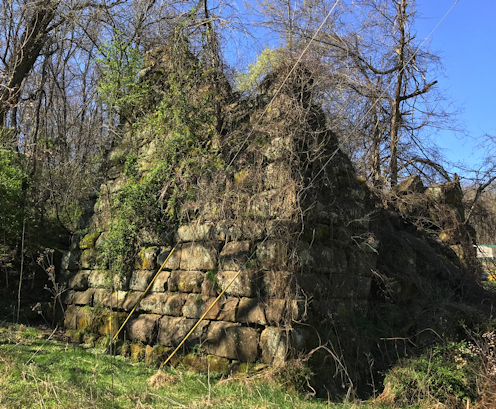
302, 231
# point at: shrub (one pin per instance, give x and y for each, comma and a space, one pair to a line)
12, 178
446, 374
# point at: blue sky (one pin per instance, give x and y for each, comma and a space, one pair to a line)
465, 42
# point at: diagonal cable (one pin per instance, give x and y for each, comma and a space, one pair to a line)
283, 83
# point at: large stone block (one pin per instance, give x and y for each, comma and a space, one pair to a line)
225, 232
111, 322
275, 345
250, 311
363, 263
323, 259
147, 258
115, 186
277, 175
87, 319
253, 229
313, 284
80, 297
186, 281
89, 258
131, 300
412, 184
322, 213
89, 240
275, 311
349, 286
281, 228
446, 193
140, 279
173, 304
245, 285
151, 237
207, 363
223, 310
228, 310
198, 257
272, 254
314, 233
160, 283
196, 305
209, 286
279, 148
232, 341
115, 169
195, 232
153, 303
174, 261
340, 261
99, 279
234, 255
143, 328
102, 279
273, 203
278, 344
297, 309
101, 240
278, 284
70, 317
78, 280
121, 281
99, 295
101, 219
114, 300
70, 260
172, 330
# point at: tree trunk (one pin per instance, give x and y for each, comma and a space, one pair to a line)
396, 114
22, 59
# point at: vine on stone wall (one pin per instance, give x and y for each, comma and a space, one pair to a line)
185, 126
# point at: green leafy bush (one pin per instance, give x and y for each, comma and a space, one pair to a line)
119, 89
446, 374
184, 124
12, 177
268, 59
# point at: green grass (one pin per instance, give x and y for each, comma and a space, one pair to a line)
36, 372
489, 285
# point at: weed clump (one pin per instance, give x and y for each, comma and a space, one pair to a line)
454, 374
161, 379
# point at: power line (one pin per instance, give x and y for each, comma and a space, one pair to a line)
284, 82
382, 93
311, 182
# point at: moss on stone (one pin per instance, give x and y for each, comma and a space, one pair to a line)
138, 352
88, 241
156, 355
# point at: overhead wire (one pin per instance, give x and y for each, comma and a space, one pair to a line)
283, 83
230, 163
381, 95
312, 180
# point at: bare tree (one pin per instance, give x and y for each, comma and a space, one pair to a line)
48, 91
377, 82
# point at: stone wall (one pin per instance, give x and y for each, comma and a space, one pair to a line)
302, 240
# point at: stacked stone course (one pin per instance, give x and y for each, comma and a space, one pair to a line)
322, 269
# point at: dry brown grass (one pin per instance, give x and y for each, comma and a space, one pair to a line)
161, 379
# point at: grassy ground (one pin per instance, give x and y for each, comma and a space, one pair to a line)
38, 372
